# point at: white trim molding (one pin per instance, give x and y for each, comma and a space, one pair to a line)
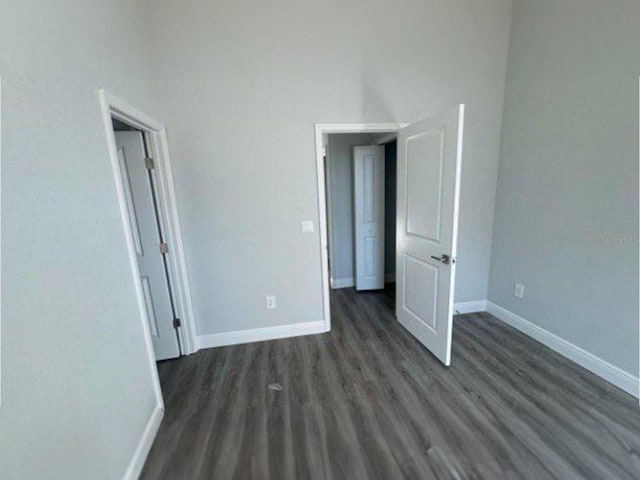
260, 334
113, 107
389, 137
597, 365
470, 307
154, 131
144, 446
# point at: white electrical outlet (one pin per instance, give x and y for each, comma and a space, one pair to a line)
518, 290
306, 226
270, 302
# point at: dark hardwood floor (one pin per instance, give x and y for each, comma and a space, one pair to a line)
367, 401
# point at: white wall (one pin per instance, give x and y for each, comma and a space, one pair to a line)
567, 207
243, 83
76, 385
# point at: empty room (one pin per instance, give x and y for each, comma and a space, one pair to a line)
320, 240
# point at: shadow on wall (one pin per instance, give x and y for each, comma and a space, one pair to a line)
390, 205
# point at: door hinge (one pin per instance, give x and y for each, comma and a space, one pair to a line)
176, 323
164, 248
149, 163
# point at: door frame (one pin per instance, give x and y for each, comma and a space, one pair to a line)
156, 140
321, 130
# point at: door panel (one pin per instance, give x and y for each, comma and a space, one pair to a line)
420, 174
133, 220
151, 312
421, 283
370, 269
368, 189
147, 239
429, 159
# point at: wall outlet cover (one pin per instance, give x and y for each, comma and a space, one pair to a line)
306, 226
518, 290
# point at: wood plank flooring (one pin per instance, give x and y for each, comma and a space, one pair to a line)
367, 401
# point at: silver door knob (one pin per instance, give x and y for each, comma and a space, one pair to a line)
444, 259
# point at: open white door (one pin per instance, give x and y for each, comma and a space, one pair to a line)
429, 158
368, 191
146, 235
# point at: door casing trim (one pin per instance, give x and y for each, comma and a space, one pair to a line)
156, 139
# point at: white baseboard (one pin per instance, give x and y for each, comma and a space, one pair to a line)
337, 283
259, 334
470, 307
144, 446
597, 365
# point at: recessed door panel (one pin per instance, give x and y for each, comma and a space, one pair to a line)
370, 268
151, 313
131, 207
420, 293
424, 184
368, 189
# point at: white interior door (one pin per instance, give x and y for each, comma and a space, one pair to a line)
368, 190
429, 157
147, 239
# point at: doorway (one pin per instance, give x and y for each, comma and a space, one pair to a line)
142, 171
429, 156
140, 186
361, 210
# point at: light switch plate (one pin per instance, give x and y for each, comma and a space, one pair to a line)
270, 302
306, 226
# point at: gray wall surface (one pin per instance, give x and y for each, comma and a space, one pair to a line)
76, 385
341, 241
242, 85
566, 222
